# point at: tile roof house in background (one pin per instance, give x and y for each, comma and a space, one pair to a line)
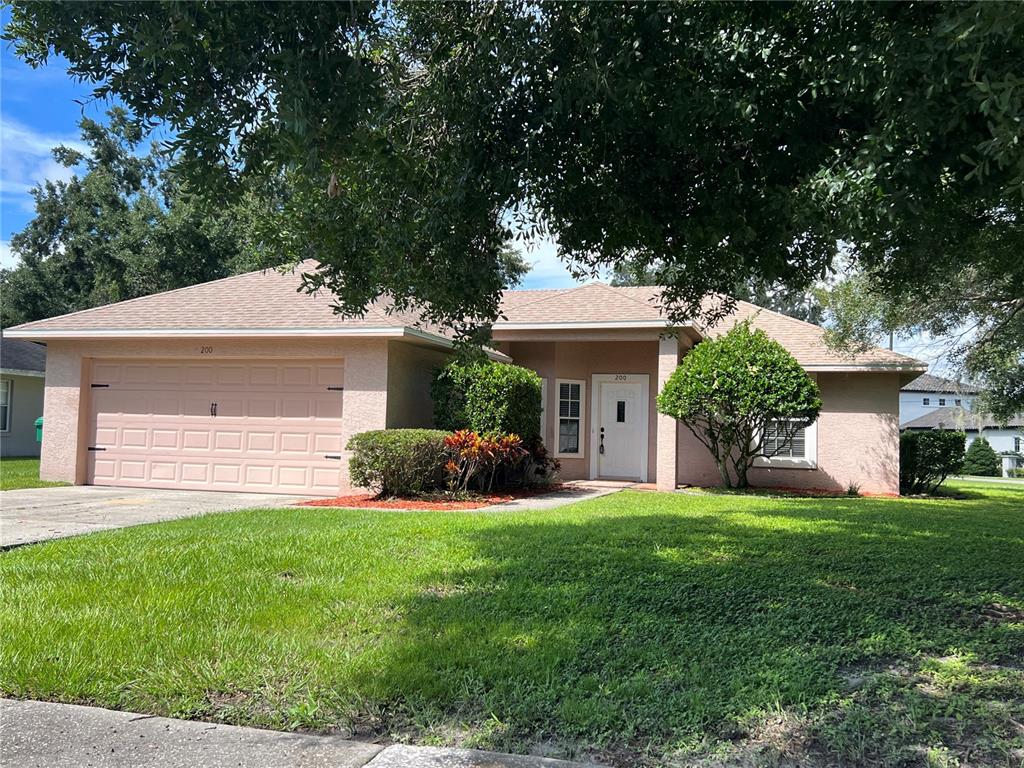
22, 371
247, 383
1006, 439
928, 393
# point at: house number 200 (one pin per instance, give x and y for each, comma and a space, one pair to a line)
620, 377
206, 350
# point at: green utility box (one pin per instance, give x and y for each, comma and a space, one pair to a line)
39, 429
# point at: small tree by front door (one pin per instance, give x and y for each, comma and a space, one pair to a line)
732, 391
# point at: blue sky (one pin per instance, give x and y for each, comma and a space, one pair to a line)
40, 109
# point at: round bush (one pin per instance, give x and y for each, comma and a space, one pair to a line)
398, 462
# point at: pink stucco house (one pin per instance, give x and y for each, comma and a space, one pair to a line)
248, 384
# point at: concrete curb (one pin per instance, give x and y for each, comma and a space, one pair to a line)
42, 734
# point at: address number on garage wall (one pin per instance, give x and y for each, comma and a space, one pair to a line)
206, 350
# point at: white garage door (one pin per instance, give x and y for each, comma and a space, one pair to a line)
243, 425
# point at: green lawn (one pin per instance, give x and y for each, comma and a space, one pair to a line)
636, 628
21, 473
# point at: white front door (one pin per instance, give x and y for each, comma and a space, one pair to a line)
620, 426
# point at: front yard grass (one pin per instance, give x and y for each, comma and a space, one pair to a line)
635, 628
18, 473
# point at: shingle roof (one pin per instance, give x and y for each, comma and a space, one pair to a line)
956, 417
20, 355
598, 302
271, 300
928, 383
265, 299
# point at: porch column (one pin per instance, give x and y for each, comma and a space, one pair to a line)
668, 358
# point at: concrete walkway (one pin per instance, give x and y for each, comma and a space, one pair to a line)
38, 734
576, 490
38, 514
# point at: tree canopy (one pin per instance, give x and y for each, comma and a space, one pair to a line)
715, 143
125, 226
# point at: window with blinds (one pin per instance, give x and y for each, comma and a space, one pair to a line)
570, 416
776, 444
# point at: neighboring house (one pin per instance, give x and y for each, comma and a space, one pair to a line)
1006, 439
928, 393
22, 368
248, 384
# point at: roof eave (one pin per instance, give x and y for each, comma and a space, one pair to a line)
50, 334
503, 325
866, 367
385, 332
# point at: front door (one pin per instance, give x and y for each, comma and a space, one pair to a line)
621, 426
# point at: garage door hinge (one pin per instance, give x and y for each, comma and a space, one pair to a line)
335, 389
332, 456
99, 386
94, 448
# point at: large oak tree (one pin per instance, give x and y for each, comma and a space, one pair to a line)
711, 142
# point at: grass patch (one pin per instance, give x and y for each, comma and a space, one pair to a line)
636, 628
21, 473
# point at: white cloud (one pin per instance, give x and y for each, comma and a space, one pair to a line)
19, 139
26, 160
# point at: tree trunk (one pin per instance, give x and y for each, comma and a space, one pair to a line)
723, 470
741, 465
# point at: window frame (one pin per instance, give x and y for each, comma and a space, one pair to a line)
942, 402
9, 384
808, 461
557, 437
926, 401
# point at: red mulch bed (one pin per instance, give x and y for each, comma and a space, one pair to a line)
369, 501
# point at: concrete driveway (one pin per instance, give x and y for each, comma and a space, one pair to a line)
38, 514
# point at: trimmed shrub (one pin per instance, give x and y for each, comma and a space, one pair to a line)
729, 391
982, 460
927, 458
398, 462
487, 398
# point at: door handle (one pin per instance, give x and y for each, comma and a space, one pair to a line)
600, 448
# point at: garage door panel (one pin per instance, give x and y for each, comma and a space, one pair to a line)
261, 442
200, 375
274, 425
330, 375
165, 438
163, 470
231, 376
227, 440
263, 375
195, 473
326, 442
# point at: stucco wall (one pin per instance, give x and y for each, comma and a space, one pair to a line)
66, 400
858, 440
26, 406
410, 370
580, 360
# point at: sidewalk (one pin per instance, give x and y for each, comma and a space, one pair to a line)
39, 734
